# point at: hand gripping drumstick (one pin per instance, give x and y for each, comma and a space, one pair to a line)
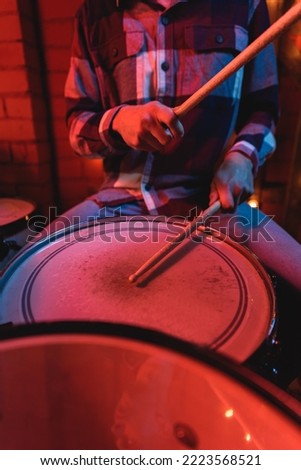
277, 28
168, 247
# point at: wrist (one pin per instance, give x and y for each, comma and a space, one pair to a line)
240, 156
117, 119
114, 127
111, 139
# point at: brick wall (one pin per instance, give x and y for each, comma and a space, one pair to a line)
77, 177
25, 153
36, 161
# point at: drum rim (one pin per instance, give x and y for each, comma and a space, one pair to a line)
31, 248
280, 399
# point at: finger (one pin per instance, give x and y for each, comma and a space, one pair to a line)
147, 143
153, 132
161, 133
166, 130
151, 143
213, 196
226, 198
242, 194
170, 120
176, 127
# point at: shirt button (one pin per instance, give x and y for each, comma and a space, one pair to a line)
115, 52
219, 38
165, 66
165, 20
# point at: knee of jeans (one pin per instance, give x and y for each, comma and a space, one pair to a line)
249, 224
236, 226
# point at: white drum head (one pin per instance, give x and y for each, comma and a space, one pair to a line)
212, 293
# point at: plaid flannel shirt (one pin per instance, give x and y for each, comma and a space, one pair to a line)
143, 52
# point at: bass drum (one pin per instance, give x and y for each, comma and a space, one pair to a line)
92, 385
210, 291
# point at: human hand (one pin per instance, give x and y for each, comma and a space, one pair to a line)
149, 126
233, 181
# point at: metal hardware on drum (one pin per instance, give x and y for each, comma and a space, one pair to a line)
186, 435
6, 245
265, 361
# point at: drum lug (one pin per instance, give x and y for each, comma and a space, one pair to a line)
266, 360
6, 246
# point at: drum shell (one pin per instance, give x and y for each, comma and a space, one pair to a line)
101, 386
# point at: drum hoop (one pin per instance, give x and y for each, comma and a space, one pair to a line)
221, 342
289, 405
255, 261
30, 249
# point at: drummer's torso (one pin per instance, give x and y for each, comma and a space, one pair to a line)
186, 46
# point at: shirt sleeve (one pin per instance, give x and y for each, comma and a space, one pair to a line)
258, 112
88, 123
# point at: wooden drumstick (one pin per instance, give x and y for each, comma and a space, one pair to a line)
277, 28
168, 247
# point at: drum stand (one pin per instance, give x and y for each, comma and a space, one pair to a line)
6, 246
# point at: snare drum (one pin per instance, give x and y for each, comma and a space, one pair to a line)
100, 386
14, 219
210, 291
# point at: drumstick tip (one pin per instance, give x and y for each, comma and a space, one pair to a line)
132, 278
